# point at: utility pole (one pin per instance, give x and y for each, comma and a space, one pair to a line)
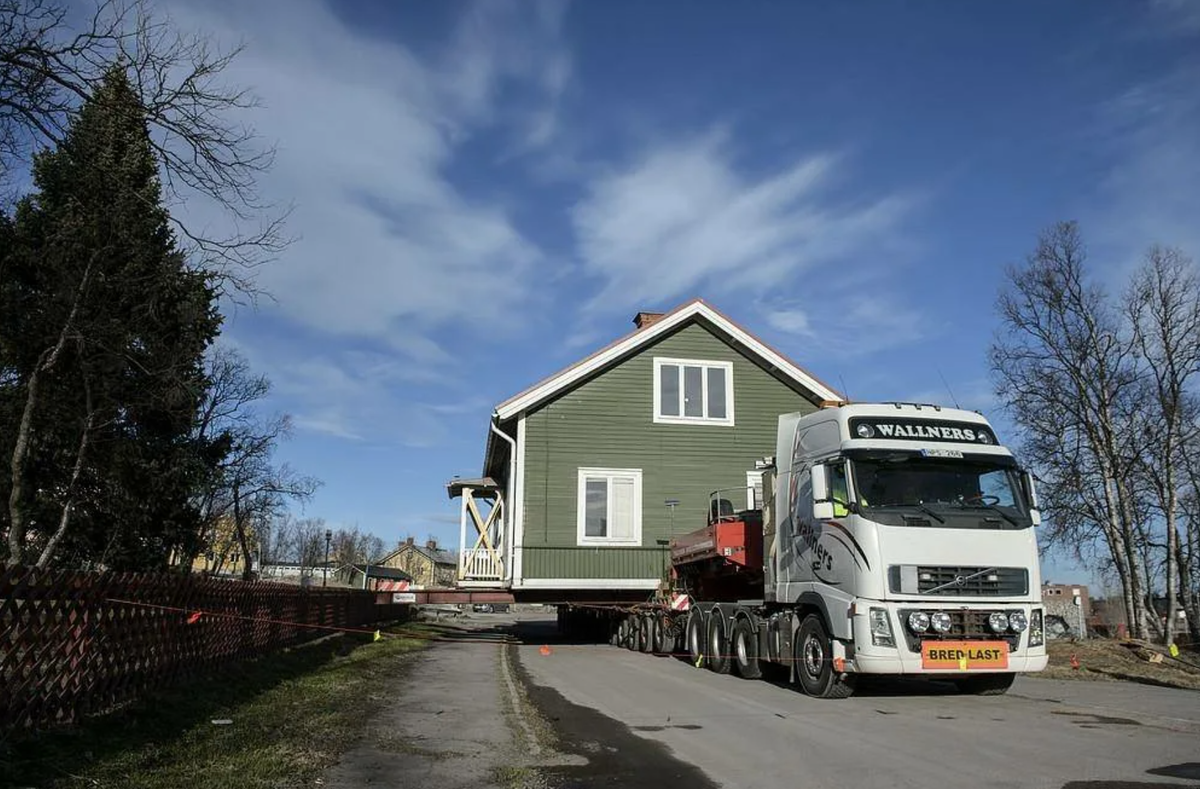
325, 575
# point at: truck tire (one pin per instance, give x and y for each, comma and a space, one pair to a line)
635, 634
986, 684
814, 662
647, 630
719, 661
694, 635
663, 637
745, 650
626, 633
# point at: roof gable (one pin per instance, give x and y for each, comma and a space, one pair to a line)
632, 342
435, 555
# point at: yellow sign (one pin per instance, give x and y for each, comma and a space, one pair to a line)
964, 655
1174, 651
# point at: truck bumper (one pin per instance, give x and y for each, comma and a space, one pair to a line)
903, 658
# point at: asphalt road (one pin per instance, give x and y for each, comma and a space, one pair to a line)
752, 734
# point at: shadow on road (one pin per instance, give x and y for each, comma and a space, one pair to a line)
544, 631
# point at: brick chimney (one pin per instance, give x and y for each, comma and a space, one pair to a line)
408, 541
431, 544
644, 319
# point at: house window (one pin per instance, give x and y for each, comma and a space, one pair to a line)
754, 490
610, 506
692, 391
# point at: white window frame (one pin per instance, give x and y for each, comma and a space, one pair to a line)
753, 479
581, 505
705, 364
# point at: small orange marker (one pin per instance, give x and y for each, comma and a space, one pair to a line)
545, 650
1074, 661
194, 618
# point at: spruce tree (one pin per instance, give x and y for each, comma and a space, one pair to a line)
104, 329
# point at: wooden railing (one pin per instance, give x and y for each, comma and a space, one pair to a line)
76, 643
481, 565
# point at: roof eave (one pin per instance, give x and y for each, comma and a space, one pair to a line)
614, 352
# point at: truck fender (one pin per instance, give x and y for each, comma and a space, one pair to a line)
814, 600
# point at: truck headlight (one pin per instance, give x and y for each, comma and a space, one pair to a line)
1036, 637
918, 621
998, 621
881, 628
1017, 621
941, 621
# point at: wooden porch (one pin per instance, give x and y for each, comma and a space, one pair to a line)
482, 532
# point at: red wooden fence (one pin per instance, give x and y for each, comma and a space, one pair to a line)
77, 643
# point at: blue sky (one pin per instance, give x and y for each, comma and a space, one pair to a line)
484, 192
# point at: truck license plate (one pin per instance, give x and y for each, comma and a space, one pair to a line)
964, 655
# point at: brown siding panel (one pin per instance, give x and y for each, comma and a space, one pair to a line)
608, 423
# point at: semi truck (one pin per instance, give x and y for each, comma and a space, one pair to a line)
890, 539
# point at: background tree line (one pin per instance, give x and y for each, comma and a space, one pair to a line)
1102, 388
130, 438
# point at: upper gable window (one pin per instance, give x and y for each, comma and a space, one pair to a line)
690, 391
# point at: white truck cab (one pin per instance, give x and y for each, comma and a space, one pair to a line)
912, 529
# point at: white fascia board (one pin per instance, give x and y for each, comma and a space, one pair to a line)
588, 583
657, 329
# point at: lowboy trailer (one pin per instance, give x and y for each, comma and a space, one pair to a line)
892, 539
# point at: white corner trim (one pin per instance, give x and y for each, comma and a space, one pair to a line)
518, 535
601, 359
590, 583
662, 419
581, 507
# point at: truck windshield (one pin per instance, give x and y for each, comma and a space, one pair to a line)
978, 493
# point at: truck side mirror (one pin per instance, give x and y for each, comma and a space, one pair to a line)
820, 482
1035, 512
822, 506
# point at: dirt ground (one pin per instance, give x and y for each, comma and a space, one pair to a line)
1108, 660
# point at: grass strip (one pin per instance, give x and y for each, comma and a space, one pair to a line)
291, 713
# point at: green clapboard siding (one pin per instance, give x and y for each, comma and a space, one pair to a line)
608, 423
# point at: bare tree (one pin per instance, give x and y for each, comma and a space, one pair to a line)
1066, 374
249, 488
1163, 307
53, 57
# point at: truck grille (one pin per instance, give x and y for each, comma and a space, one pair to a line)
987, 581
965, 626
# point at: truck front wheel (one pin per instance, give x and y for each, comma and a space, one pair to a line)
813, 654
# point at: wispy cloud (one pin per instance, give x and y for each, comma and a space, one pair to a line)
792, 320
389, 245
846, 322
392, 246
1148, 192
685, 216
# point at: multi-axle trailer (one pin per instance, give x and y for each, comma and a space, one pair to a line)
890, 539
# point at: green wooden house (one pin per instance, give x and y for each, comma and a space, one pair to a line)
588, 473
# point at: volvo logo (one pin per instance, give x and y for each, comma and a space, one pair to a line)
960, 580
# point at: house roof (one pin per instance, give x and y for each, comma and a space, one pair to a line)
375, 571
437, 555
613, 352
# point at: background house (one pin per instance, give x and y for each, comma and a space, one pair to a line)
594, 468
428, 565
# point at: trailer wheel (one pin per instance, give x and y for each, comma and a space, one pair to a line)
986, 684
814, 662
663, 636
625, 636
745, 649
695, 636
634, 642
718, 645
647, 633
